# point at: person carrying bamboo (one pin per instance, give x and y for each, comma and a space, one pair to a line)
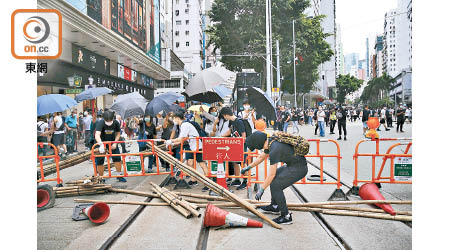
285, 148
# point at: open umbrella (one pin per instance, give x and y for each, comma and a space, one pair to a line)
206, 80
196, 108
51, 103
160, 103
174, 108
92, 93
129, 105
222, 91
261, 102
207, 97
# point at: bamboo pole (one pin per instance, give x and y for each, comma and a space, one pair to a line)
214, 186
370, 210
172, 197
355, 213
202, 196
126, 191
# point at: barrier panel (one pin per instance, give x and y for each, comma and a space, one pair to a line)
338, 194
378, 178
108, 154
55, 156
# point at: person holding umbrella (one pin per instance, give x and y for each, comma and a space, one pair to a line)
108, 129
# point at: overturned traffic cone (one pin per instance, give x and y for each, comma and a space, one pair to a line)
45, 197
370, 191
97, 213
215, 217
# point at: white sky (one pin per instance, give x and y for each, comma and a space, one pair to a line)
360, 19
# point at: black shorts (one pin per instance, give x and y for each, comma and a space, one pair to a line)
101, 160
382, 121
58, 139
198, 156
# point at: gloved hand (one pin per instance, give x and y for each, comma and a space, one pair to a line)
168, 143
245, 169
101, 149
259, 194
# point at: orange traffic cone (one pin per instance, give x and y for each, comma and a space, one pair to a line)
97, 213
221, 175
370, 191
215, 217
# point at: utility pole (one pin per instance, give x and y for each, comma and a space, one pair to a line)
270, 46
295, 75
278, 70
268, 51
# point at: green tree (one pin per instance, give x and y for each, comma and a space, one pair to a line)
239, 28
346, 84
375, 87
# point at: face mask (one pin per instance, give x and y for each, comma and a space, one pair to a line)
171, 119
108, 123
147, 119
246, 107
214, 113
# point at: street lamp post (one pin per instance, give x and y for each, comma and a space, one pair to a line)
295, 76
268, 50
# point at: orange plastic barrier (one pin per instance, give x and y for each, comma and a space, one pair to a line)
378, 178
108, 154
338, 194
55, 156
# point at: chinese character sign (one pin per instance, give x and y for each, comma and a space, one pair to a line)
223, 149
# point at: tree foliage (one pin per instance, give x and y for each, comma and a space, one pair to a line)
239, 28
372, 92
346, 84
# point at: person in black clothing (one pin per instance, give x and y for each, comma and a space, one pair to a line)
327, 117
147, 131
365, 118
389, 118
315, 120
342, 123
295, 119
108, 129
400, 118
280, 178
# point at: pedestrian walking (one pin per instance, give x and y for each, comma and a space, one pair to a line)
72, 132
108, 129
383, 118
400, 118
342, 123
87, 120
389, 117
365, 118
333, 120
58, 129
285, 119
295, 119
321, 121
280, 178
42, 135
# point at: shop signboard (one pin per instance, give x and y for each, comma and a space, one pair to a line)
90, 60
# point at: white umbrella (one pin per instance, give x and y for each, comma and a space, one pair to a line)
207, 79
129, 105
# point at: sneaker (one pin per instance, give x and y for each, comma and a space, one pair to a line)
387, 129
378, 129
192, 183
121, 179
205, 188
242, 186
286, 220
229, 180
339, 138
236, 183
149, 171
345, 138
269, 209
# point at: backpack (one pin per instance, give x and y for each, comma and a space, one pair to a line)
39, 125
339, 115
201, 132
248, 128
300, 144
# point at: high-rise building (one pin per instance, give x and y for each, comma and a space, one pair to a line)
377, 60
404, 35
187, 33
367, 58
350, 60
390, 44
339, 53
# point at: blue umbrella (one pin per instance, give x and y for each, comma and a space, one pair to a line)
92, 93
47, 104
160, 103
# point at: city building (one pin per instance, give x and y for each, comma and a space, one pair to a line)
187, 33
340, 70
350, 60
404, 35
377, 59
106, 44
390, 44
367, 59
325, 87
402, 93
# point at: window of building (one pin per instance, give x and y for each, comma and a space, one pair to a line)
177, 44
187, 44
187, 1
177, 12
177, 33
187, 22
177, 1
178, 22
186, 11
186, 32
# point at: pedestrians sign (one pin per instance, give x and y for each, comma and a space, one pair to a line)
133, 163
403, 168
223, 149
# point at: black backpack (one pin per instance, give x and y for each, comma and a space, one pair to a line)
201, 132
248, 128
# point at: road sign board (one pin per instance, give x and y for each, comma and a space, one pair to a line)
403, 168
223, 149
133, 163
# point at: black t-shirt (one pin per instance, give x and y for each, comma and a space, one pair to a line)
108, 132
343, 118
237, 125
295, 116
284, 116
400, 113
365, 115
150, 131
279, 152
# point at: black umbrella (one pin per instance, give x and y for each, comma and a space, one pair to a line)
160, 103
207, 97
261, 102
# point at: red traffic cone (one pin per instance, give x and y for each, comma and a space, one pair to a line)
221, 175
215, 217
97, 213
370, 191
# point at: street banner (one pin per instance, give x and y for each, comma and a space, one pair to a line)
403, 168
